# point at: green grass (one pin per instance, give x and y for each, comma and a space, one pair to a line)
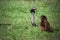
17, 14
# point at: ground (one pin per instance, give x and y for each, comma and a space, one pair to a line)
15, 20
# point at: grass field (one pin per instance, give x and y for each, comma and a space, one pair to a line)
15, 20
